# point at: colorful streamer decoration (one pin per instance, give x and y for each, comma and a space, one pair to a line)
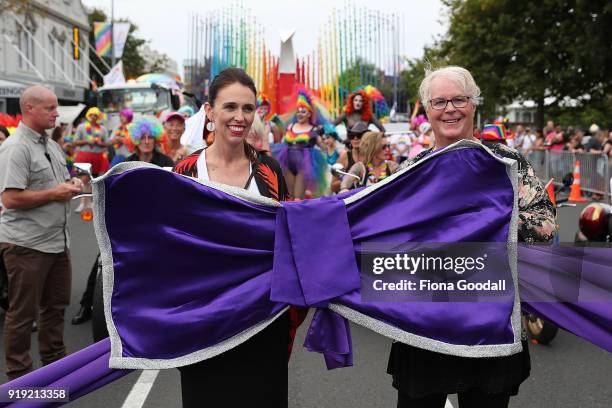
357, 47
102, 35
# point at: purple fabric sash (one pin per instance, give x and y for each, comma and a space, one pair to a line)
427, 203
192, 269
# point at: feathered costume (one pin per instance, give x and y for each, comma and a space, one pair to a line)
297, 152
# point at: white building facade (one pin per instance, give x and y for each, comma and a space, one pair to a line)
37, 46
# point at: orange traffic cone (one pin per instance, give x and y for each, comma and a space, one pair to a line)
550, 189
575, 192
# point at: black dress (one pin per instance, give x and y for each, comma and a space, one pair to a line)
419, 373
254, 374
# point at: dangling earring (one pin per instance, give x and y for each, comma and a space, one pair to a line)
210, 126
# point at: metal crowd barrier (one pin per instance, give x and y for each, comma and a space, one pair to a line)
595, 169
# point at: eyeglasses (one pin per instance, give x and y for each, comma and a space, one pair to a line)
352, 136
386, 146
302, 110
457, 101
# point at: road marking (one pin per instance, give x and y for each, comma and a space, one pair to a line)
448, 404
140, 391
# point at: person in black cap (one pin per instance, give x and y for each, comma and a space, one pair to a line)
353, 154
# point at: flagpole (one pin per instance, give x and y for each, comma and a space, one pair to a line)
112, 33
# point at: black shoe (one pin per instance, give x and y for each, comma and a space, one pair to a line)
83, 315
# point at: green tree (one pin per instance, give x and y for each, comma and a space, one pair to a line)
133, 62
160, 64
411, 78
522, 49
362, 73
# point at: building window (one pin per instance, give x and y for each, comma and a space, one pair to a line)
25, 43
52, 54
60, 55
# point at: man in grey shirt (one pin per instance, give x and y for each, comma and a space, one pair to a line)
36, 191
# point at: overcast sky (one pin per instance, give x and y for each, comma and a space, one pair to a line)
165, 24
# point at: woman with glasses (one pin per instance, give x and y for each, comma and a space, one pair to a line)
304, 166
425, 378
358, 109
375, 166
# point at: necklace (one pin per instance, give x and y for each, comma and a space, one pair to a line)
382, 172
94, 132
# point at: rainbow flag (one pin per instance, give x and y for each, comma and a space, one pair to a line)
102, 34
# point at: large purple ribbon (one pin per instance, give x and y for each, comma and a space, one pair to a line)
193, 269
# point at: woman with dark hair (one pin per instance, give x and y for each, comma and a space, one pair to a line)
358, 109
255, 372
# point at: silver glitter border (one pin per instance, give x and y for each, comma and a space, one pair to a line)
195, 357
394, 333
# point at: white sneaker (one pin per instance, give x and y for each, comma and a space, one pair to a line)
80, 207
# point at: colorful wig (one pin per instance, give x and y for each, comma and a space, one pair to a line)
94, 111
127, 113
366, 110
381, 109
319, 116
186, 109
145, 126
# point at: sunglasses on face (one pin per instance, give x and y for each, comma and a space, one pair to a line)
302, 111
386, 146
352, 136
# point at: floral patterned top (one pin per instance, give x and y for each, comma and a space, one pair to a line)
536, 212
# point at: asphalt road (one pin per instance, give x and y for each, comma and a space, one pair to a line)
568, 373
